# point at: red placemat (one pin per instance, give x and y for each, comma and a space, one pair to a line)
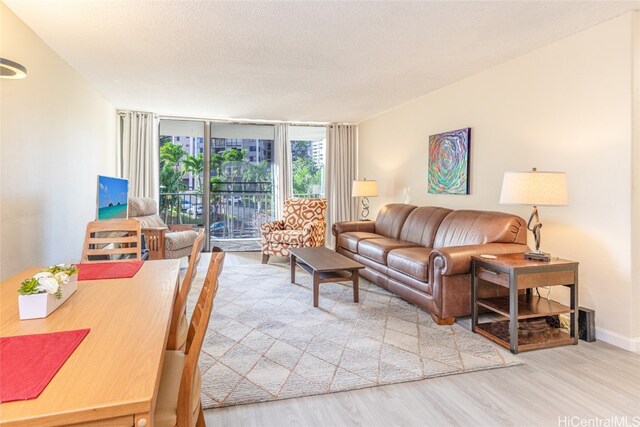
29, 362
108, 270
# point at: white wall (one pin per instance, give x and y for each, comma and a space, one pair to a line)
57, 134
567, 107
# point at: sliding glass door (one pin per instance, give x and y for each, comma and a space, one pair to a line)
182, 171
308, 160
220, 176
241, 183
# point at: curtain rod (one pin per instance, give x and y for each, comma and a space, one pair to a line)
252, 122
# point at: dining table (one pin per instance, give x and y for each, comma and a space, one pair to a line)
112, 377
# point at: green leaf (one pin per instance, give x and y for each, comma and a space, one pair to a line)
29, 287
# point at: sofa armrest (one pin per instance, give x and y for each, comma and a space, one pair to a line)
314, 233
346, 226
457, 259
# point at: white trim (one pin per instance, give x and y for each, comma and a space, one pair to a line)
613, 338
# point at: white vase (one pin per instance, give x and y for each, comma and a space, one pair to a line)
37, 306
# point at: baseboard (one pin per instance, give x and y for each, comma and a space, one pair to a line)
629, 344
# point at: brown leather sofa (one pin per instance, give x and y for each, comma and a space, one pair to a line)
423, 254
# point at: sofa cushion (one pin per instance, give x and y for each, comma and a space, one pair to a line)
462, 228
422, 224
413, 262
377, 249
350, 239
391, 218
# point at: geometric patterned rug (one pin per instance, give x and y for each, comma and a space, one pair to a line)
266, 341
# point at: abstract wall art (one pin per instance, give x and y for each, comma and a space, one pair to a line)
449, 162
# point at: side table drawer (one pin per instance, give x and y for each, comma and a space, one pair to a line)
492, 276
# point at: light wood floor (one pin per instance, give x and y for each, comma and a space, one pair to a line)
589, 381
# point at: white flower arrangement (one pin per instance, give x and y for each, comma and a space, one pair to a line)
49, 280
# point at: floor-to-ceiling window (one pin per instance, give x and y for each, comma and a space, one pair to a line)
181, 171
308, 160
225, 184
241, 182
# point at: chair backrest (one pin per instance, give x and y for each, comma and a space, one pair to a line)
183, 293
197, 331
299, 212
104, 240
145, 210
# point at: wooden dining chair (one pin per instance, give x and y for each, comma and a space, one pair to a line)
179, 325
112, 240
178, 402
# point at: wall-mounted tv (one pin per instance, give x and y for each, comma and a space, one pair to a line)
113, 194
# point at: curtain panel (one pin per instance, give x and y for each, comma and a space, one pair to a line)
282, 166
137, 152
341, 164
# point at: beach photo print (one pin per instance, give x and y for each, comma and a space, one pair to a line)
112, 197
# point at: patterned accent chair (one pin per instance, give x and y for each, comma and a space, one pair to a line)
303, 226
174, 241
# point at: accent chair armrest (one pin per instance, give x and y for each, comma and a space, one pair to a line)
314, 233
268, 227
457, 259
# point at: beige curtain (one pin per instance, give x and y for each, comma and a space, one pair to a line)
137, 152
341, 164
282, 166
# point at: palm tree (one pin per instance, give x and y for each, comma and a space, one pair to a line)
195, 166
171, 154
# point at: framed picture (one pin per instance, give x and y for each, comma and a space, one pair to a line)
113, 195
449, 162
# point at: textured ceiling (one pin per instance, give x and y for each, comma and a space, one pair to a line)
304, 60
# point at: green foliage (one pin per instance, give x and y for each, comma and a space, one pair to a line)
258, 172
306, 173
171, 180
216, 183
29, 287
69, 269
195, 166
235, 155
171, 154
300, 149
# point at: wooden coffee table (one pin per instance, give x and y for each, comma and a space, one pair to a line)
325, 266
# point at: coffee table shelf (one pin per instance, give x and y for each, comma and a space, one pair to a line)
325, 266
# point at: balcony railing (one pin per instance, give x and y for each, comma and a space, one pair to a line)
236, 209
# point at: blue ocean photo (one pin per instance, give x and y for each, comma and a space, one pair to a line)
112, 197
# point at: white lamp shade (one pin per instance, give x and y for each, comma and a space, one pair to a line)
364, 188
535, 188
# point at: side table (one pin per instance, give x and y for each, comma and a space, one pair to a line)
521, 307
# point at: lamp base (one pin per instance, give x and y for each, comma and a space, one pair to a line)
540, 256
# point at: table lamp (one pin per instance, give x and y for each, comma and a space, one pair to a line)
535, 188
364, 189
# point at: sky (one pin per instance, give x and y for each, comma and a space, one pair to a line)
112, 190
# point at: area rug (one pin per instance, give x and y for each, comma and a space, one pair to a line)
266, 341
